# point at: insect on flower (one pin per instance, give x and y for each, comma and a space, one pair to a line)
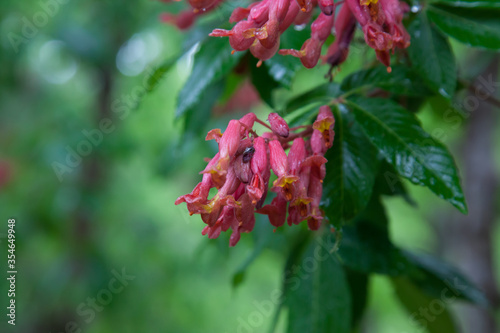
248, 154
241, 170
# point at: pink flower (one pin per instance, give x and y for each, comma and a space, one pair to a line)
278, 125
326, 6
276, 211
323, 126
228, 145
345, 24
311, 49
242, 168
259, 27
259, 164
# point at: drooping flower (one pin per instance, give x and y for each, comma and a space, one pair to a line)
278, 125
242, 168
259, 27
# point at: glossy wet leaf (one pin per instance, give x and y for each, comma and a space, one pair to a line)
413, 152
402, 80
211, 63
350, 171
313, 98
263, 82
431, 55
470, 3
388, 182
283, 68
195, 116
473, 26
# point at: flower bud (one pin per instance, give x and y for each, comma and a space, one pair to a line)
278, 125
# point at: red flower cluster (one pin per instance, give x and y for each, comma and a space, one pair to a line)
242, 168
259, 27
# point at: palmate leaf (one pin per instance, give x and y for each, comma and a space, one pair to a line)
350, 171
431, 56
317, 293
414, 153
212, 62
473, 26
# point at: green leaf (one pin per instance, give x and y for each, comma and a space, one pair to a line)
262, 81
402, 80
425, 312
318, 294
314, 98
358, 285
435, 276
388, 182
155, 78
470, 3
283, 68
306, 116
366, 247
233, 82
431, 56
350, 171
212, 62
196, 115
473, 26
413, 152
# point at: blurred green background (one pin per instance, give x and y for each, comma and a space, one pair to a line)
114, 209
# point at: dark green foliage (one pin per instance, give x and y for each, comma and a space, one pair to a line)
379, 141
478, 27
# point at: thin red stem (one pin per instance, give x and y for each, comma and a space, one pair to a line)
299, 127
263, 123
294, 136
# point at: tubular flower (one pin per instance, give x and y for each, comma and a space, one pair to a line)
258, 27
242, 168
